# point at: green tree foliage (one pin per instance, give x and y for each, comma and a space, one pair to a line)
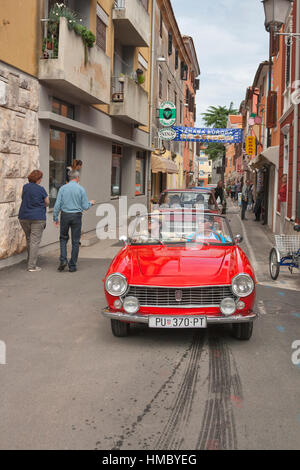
217, 117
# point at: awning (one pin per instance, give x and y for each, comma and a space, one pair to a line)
163, 165
270, 155
258, 162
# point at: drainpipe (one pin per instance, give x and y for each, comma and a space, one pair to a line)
296, 117
153, 66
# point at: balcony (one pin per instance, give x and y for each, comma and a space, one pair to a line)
68, 72
129, 101
132, 23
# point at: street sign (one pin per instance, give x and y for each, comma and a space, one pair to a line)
167, 134
167, 114
250, 146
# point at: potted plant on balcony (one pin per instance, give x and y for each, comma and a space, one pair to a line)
140, 76
60, 10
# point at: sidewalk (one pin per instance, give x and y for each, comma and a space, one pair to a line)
258, 242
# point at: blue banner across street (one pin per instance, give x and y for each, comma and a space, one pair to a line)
208, 135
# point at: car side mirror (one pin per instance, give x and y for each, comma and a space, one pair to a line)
123, 240
238, 239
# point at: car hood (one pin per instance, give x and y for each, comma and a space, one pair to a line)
191, 265
203, 265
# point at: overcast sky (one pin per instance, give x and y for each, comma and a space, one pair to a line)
230, 41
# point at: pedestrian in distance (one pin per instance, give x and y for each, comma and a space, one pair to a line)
238, 189
282, 197
245, 198
220, 194
233, 190
32, 216
71, 202
258, 205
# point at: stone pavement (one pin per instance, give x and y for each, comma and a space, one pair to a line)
258, 242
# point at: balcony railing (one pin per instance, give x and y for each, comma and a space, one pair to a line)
129, 101
80, 73
132, 22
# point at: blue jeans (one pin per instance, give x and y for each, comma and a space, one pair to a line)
73, 222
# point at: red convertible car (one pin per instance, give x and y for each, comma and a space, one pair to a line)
181, 270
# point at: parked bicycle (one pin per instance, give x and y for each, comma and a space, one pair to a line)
285, 253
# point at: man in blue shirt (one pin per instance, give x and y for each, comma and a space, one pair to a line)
71, 202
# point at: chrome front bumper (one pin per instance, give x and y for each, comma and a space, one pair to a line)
145, 318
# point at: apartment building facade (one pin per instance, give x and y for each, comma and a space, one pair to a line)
190, 162
62, 100
173, 64
271, 115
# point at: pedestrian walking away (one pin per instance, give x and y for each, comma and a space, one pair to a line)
245, 198
282, 200
32, 216
71, 202
233, 190
258, 205
220, 193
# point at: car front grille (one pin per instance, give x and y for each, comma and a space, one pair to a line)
208, 296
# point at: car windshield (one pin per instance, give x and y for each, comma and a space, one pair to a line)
187, 198
181, 227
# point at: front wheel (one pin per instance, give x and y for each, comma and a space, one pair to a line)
119, 328
273, 264
242, 331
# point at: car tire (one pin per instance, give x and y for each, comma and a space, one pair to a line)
119, 328
242, 331
274, 266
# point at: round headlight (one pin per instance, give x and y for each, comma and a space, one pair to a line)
131, 305
116, 285
228, 306
242, 285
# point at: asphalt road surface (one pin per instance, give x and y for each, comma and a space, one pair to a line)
69, 384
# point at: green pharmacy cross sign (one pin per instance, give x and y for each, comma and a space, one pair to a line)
167, 114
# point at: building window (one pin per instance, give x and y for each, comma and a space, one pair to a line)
62, 108
181, 111
102, 23
61, 154
176, 59
116, 170
160, 82
140, 173
160, 24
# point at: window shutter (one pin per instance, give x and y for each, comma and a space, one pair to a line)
183, 71
274, 38
101, 34
176, 59
272, 110
170, 43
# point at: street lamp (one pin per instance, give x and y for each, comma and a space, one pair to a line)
276, 12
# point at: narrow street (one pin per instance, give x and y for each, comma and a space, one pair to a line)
70, 384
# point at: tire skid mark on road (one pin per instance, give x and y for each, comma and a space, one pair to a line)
218, 429
173, 434
120, 440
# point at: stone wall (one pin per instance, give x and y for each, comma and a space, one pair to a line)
19, 151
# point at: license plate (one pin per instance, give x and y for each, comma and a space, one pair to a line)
177, 322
